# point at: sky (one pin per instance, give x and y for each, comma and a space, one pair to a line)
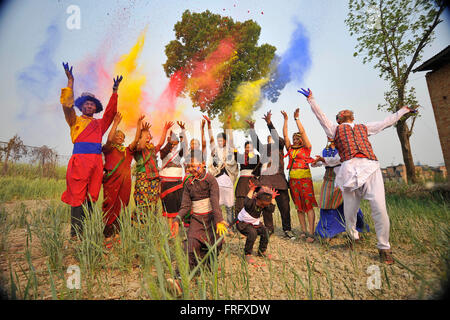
36, 39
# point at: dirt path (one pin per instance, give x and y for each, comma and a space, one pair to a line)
325, 271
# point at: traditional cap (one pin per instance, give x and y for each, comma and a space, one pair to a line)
87, 96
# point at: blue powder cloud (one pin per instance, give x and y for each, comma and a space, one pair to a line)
293, 65
35, 81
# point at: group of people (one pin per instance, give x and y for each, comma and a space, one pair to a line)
192, 187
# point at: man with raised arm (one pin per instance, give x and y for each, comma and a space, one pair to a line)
272, 174
85, 169
360, 175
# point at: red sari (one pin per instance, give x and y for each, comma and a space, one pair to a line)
116, 182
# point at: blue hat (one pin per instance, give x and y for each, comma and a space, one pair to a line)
86, 96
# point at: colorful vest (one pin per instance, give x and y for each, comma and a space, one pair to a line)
351, 141
299, 158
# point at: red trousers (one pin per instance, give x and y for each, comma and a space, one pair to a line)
83, 178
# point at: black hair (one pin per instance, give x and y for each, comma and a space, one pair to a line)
222, 135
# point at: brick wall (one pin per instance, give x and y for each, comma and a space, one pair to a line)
438, 82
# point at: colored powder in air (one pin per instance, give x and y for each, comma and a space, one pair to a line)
291, 66
247, 99
35, 81
207, 76
132, 96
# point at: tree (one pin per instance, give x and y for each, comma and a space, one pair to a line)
198, 35
13, 150
392, 34
46, 159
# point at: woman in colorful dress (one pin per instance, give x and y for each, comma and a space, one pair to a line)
117, 177
332, 220
300, 181
147, 186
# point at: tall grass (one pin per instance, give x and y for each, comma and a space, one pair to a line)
21, 188
147, 254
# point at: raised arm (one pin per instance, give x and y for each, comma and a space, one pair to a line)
285, 130
183, 143
133, 144
254, 137
327, 124
108, 145
145, 133
67, 100
229, 133
301, 130
166, 128
376, 127
111, 108
212, 143
273, 132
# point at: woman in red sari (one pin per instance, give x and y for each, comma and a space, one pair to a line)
117, 177
300, 180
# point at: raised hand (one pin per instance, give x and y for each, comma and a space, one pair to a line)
284, 114
268, 117
168, 125
146, 126
117, 81
207, 119
181, 124
412, 109
141, 117
117, 118
203, 124
68, 71
307, 94
296, 113
251, 123
251, 185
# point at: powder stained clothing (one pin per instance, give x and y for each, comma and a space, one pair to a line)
300, 181
361, 178
250, 226
116, 182
201, 195
85, 168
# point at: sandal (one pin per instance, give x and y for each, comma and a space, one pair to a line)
310, 236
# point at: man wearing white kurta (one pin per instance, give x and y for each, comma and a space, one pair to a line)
224, 167
359, 176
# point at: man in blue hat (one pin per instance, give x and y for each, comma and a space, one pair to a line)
85, 168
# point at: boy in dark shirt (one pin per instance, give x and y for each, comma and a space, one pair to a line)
249, 224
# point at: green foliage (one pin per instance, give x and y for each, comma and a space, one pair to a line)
402, 29
19, 188
198, 34
392, 34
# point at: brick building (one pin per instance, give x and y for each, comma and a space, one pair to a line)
438, 82
423, 173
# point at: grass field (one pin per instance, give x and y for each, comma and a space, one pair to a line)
35, 254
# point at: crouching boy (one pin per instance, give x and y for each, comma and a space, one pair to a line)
256, 204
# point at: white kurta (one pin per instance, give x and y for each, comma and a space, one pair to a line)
225, 159
361, 178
